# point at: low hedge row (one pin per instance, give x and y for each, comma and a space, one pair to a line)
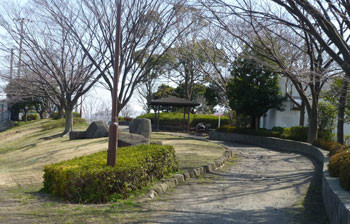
297, 133
88, 179
331, 146
56, 115
339, 162
32, 117
61, 123
125, 118
176, 119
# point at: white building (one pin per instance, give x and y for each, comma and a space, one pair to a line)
291, 114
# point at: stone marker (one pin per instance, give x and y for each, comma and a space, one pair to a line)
128, 139
141, 126
97, 129
76, 135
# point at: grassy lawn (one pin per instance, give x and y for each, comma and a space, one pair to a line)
26, 149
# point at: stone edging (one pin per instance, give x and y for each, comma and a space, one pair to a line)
167, 184
336, 200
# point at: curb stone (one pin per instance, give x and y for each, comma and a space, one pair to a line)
167, 184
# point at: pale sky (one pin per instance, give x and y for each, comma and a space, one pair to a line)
96, 96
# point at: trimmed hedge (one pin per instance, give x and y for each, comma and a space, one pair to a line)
331, 146
61, 123
88, 179
176, 119
32, 117
344, 176
247, 131
296, 133
337, 162
125, 118
55, 115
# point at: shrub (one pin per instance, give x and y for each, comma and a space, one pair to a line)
327, 114
61, 123
208, 119
55, 116
226, 128
32, 117
337, 161
177, 119
76, 114
247, 131
331, 146
278, 129
297, 133
347, 139
344, 176
125, 118
89, 179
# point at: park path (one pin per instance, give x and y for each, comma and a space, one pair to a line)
262, 186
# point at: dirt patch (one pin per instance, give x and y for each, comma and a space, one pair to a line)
191, 153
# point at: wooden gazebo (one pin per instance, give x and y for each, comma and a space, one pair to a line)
172, 101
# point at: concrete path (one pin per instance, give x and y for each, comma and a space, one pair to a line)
263, 186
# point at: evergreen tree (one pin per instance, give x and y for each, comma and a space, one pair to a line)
253, 89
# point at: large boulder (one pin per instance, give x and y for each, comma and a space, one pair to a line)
141, 126
5, 125
128, 139
77, 135
97, 129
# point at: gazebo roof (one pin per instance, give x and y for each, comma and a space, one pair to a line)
174, 101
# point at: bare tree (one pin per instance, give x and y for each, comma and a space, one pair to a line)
295, 55
127, 111
220, 51
184, 57
328, 22
145, 91
148, 29
58, 68
155, 67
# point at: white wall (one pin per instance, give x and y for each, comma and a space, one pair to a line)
286, 118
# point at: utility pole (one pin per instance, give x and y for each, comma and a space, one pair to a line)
20, 48
81, 106
11, 65
113, 127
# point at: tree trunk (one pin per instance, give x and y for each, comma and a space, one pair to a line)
302, 114
69, 121
312, 135
254, 122
341, 111
257, 123
41, 114
25, 115
60, 112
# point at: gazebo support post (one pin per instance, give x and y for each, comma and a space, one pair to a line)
188, 118
158, 118
155, 118
170, 102
184, 119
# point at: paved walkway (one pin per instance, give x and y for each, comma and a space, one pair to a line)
263, 186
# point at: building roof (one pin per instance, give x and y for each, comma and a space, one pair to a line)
174, 101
